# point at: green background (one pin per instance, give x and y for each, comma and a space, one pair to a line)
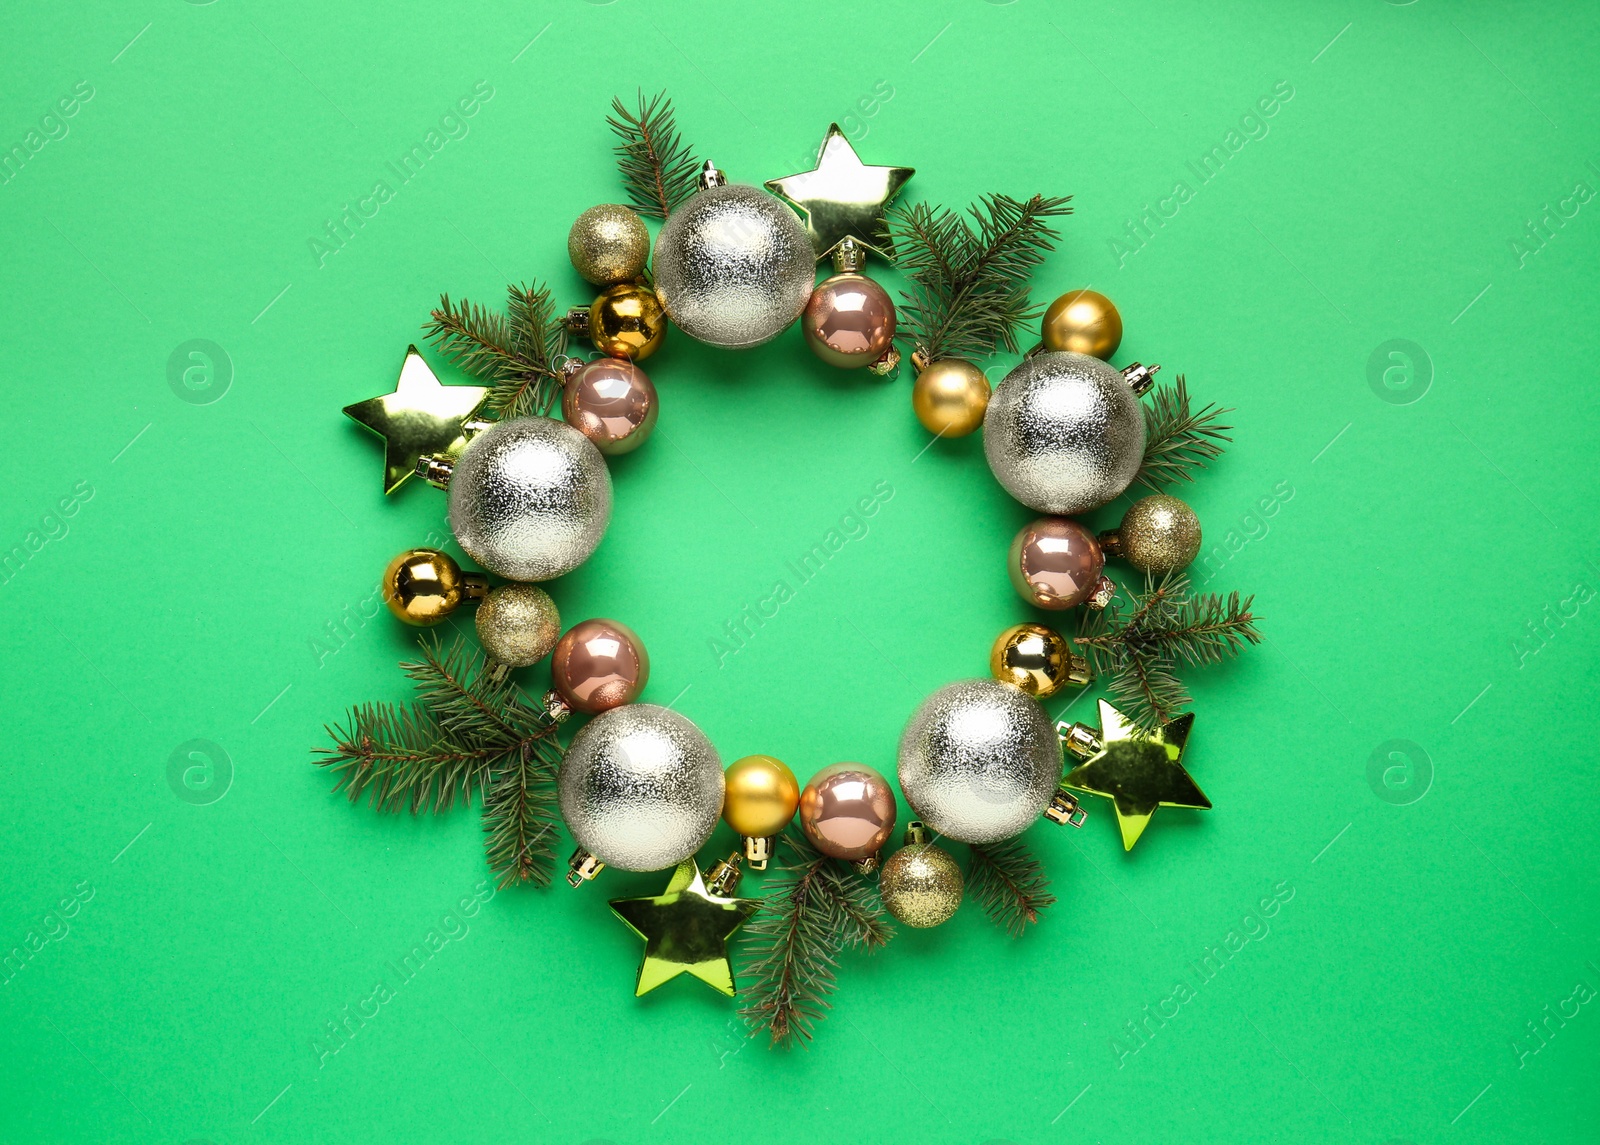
1402, 538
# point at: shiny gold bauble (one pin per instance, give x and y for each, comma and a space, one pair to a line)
920, 883
761, 796
627, 321
518, 624
1158, 535
1084, 322
608, 244
423, 586
949, 397
1037, 659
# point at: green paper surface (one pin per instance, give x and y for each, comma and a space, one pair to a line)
1371, 228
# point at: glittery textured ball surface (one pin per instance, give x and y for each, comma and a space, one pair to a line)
733, 266
979, 761
921, 885
608, 244
518, 624
1159, 534
530, 498
641, 787
1064, 433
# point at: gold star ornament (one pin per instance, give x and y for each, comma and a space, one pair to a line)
1137, 771
685, 930
842, 197
421, 417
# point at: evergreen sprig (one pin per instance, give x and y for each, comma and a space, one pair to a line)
516, 353
969, 273
817, 908
1009, 883
658, 169
1178, 440
470, 731
1138, 650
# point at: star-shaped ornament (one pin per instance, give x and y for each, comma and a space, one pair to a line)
842, 197
685, 929
1137, 771
422, 417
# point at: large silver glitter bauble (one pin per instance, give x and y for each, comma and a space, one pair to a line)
979, 761
530, 498
641, 787
1064, 433
733, 266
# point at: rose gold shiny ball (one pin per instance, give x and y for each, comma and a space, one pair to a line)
1055, 563
599, 664
613, 403
847, 811
850, 321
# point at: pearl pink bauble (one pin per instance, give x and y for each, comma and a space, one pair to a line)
599, 664
850, 321
1056, 563
847, 811
613, 403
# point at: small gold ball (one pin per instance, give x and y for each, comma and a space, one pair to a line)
627, 321
1159, 535
518, 624
423, 586
1036, 659
921, 885
760, 797
1083, 321
949, 397
608, 244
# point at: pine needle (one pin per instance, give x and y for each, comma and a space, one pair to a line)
402, 758
658, 169
516, 353
1178, 441
969, 279
519, 816
1009, 884
1139, 650
817, 908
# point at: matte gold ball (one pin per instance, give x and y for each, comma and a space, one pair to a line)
1037, 659
423, 586
518, 624
627, 321
921, 885
760, 797
949, 397
1083, 321
608, 244
1158, 535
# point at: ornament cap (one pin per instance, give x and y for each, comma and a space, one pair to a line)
1140, 378
576, 320
916, 833
1078, 739
887, 366
435, 469
557, 706
865, 866
722, 879
1105, 589
711, 177
848, 256
1111, 542
757, 852
1065, 810
582, 867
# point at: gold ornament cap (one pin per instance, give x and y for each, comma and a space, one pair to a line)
1140, 378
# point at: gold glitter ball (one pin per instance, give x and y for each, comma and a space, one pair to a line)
518, 624
1158, 535
608, 244
920, 884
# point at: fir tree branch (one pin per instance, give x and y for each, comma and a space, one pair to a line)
1009, 884
1178, 440
969, 280
658, 169
519, 815
401, 757
515, 353
816, 909
1138, 652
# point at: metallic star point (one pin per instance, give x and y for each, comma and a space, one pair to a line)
843, 197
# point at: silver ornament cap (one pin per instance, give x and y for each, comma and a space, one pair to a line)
1064, 433
641, 787
530, 498
733, 266
979, 761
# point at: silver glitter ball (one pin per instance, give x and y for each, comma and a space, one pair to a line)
733, 266
979, 761
1064, 433
641, 787
530, 498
